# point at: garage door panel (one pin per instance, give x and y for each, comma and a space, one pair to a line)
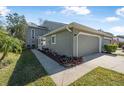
87, 45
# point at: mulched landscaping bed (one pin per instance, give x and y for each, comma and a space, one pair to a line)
62, 59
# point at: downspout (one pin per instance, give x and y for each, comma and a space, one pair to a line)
76, 51
73, 38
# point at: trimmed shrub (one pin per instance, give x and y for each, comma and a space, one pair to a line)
110, 48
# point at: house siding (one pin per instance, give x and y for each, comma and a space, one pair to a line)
64, 43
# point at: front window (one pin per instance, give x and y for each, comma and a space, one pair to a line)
43, 41
33, 33
53, 39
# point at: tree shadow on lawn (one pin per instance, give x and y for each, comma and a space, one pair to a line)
27, 70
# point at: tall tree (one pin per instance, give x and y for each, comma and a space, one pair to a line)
16, 25
9, 44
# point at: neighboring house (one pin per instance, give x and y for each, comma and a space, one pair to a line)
34, 31
120, 38
77, 40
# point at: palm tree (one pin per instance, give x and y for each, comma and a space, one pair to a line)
9, 44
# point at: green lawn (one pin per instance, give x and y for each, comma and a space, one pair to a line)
100, 77
24, 70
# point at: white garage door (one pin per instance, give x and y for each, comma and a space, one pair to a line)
87, 45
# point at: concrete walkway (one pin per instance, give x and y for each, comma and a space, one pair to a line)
119, 52
63, 76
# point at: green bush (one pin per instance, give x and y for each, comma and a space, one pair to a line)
120, 44
110, 48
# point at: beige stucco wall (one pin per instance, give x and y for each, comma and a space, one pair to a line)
64, 43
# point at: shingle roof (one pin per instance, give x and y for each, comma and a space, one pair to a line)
32, 24
77, 25
81, 27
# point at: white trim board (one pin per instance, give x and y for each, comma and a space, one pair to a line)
87, 34
107, 38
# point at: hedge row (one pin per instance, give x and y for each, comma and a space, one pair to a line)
110, 48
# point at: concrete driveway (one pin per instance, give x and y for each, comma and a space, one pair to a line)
63, 76
109, 61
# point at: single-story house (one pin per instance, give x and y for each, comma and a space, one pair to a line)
77, 40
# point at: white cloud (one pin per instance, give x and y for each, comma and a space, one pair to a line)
112, 19
50, 12
75, 10
120, 11
117, 30
4, 10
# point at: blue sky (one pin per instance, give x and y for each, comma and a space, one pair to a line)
107, 18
